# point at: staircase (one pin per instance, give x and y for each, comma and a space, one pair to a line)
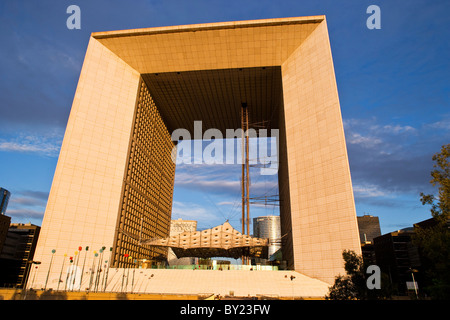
238, 283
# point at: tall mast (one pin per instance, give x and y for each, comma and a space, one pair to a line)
247, 172
243, 168
245, 175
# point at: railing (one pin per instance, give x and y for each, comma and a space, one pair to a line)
223, 267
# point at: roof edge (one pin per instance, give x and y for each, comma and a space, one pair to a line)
208, 26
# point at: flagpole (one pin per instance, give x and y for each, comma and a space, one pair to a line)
49, 267
60, 273
84, 262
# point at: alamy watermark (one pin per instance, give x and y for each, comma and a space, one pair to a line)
214, 152
222, 149
74, 20
374, 20
374, 280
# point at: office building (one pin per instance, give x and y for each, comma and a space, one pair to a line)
137, 87
268, 227
4, 199
5, 221
176, 227
369, 228
17, 254
396, 254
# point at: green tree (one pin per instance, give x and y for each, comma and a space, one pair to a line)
353, 285
347, 287
434, 242
440, 205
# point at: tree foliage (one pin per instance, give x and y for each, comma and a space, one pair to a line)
353, 285
434, 242
440, 205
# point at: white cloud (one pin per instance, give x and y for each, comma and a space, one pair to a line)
383, 139
25, 213
372, 128
52, 56
220, 182
443, 124
396, 129
46, 144
368, 191
28, 147
191, 211
366, 141
226, 203
27, 206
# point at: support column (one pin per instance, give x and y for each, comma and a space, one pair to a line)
86, 190
320, 211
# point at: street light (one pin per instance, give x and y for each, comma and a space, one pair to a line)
92, 271
49, 267
60, 273
29, 271
84, 262
98, 272
414, 281
107, 270
28, 274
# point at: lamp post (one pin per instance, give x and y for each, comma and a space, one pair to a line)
28, 275
134, 269
60, 273
414, 281
84, 262
77, 257
49, 267
128, 273
92, 269
123, 274
107, 270
67, 275
99, 270
104, 276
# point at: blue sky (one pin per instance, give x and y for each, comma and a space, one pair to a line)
393, 87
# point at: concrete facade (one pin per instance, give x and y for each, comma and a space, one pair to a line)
285, 61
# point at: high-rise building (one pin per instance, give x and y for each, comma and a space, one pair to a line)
4, 199
179, 226
369, 228
176, 227
268, 227
115, 174
5, 221
396, 255
17, 253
